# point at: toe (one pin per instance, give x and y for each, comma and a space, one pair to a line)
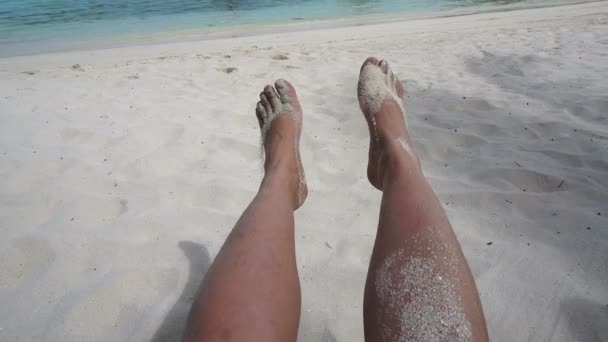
391, 78
399, 87
273, 98
384, 66
265, 103
370, 60
286, 91
260, 113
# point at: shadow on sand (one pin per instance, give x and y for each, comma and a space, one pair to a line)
172, 327
587, 320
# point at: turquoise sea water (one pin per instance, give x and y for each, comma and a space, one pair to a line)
34, 26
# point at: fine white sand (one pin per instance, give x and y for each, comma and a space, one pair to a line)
123, 170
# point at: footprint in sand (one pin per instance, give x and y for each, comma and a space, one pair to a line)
77, 67
74, 135
525, 180
24, 260
157, 134
214, 195
88, 208
280, 57
112, 301
229, 70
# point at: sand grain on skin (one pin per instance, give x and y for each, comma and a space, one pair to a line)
412, 292
375, 87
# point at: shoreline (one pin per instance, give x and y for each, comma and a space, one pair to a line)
311, 35
252, 30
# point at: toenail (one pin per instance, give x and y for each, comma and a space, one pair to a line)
371, 60
281, 83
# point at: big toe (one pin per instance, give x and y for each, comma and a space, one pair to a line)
370, 60
286, 91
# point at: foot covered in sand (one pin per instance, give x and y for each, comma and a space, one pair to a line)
280, 117
381, 97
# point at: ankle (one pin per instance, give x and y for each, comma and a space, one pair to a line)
397, 155
282, 178
279, 145
390, 121
279, 163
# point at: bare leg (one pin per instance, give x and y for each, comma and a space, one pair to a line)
252, 291
419, 286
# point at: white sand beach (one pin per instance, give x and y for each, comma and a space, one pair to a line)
123, 170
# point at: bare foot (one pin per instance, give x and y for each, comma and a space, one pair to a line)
280, 117
381, 97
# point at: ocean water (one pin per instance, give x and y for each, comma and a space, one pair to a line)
35, 26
